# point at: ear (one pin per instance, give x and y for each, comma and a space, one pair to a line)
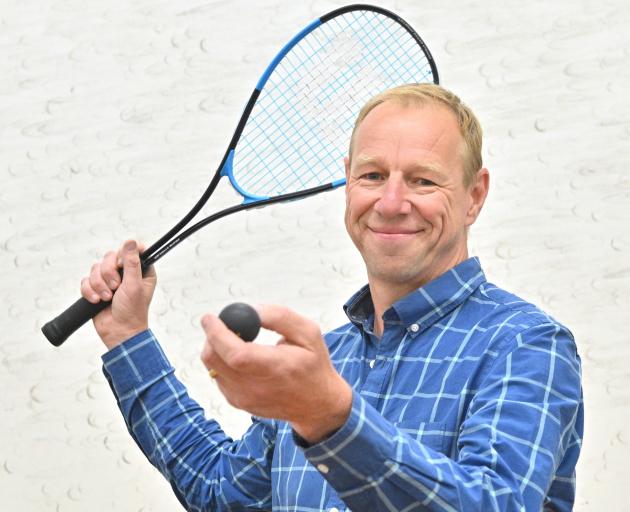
477, 192
346, 164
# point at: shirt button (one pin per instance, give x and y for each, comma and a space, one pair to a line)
323, 468
414, 327
334, 509
372, 363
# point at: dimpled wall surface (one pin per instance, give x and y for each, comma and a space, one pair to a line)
113, 116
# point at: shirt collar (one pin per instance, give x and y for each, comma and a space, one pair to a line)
359, 308
424, 306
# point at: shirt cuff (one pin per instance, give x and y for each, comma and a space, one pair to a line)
135, 363
355, 455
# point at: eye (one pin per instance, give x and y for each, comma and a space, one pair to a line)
372, 176
423, 182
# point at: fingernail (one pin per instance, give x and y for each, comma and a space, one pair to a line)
130, 245
113, 284
106, 295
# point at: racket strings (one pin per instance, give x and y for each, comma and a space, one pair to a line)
298, 132
316, 75
330, 122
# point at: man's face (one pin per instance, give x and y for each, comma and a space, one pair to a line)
407, 208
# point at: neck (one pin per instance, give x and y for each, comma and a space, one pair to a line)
383, 296
385, 292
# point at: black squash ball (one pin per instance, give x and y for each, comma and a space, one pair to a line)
242, 319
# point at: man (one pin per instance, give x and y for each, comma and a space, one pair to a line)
443, 392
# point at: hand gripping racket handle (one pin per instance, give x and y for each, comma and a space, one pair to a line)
60, 328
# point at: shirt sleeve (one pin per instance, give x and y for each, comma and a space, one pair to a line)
206, 469
513, 437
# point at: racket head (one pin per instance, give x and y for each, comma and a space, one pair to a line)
296, 127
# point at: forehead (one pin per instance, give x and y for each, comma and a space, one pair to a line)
392, 125
425, 112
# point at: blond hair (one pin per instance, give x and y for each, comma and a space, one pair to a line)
423, 94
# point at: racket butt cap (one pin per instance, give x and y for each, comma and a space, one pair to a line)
53, 334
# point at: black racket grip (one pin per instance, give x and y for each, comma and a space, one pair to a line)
60, 328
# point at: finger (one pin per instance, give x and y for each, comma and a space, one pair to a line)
212, 361
295, 328
215, 365
109, 270
98, 284
229, 350
208, 355
88, 292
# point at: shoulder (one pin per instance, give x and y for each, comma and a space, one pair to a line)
525, 346
511, 323
496, 306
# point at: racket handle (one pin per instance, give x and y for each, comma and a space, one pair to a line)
60, 328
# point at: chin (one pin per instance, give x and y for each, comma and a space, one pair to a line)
398, 274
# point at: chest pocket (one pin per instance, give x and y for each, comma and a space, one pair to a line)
432, 434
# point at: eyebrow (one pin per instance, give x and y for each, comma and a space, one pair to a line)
364, 159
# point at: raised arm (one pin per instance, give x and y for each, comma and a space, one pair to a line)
206, 469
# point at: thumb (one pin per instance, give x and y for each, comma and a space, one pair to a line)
295, 328
132, 269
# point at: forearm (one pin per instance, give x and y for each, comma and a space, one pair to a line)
373, 466
193, 453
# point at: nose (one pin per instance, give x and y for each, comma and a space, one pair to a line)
393, 200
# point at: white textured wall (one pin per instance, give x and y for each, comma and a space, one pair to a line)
112, 118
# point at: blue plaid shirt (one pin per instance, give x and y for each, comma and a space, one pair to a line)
471, 400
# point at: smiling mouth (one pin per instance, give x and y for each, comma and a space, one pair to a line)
394, 234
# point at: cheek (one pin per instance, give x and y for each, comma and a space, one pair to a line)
433, 208
350, 220
346, 218
348, 213
356, 205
